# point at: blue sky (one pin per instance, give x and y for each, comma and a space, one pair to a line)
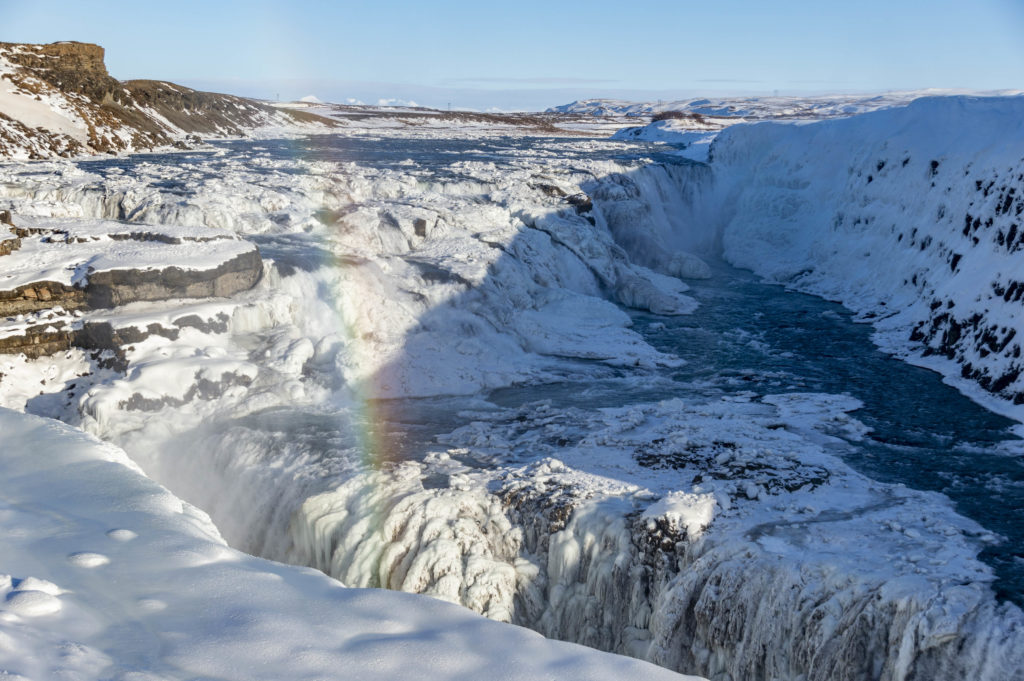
530, 54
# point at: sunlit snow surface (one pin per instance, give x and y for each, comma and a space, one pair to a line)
676, 482
106, 575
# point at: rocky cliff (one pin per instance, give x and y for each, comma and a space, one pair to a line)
59, 100
54, 271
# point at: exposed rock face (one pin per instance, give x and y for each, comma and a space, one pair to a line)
105, 335
38, 340
40, 295
59, 100
72, 67
112, 267
120, 287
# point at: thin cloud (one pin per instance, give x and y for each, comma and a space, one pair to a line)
822, 81
727, 80
543, 80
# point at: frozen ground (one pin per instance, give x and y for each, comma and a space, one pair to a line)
560, 469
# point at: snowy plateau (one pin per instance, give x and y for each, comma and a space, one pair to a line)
530, 375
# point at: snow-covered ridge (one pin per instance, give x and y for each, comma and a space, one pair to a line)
913, 217
759, 107
108, 575
59, 100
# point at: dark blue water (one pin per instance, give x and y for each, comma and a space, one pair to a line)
751, 337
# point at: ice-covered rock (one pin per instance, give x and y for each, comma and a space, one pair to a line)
688, 266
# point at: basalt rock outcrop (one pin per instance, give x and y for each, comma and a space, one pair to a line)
59, 100
62, 270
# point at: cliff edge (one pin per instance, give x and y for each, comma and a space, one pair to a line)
59, 100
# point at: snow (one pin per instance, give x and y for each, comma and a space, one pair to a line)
113, 577
684, 511
25, 108
395, 102
760, 107
748, 549
693, 144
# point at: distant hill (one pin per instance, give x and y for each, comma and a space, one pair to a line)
59, 100
755, 107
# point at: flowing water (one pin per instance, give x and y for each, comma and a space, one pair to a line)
754, 338
747, 340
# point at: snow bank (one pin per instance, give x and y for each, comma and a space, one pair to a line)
912, 217
112, 577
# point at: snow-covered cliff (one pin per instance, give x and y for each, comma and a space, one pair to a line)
913, 217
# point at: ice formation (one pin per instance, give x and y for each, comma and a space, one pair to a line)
723, 536
113, 577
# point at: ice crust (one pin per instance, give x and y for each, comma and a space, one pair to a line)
778, 562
